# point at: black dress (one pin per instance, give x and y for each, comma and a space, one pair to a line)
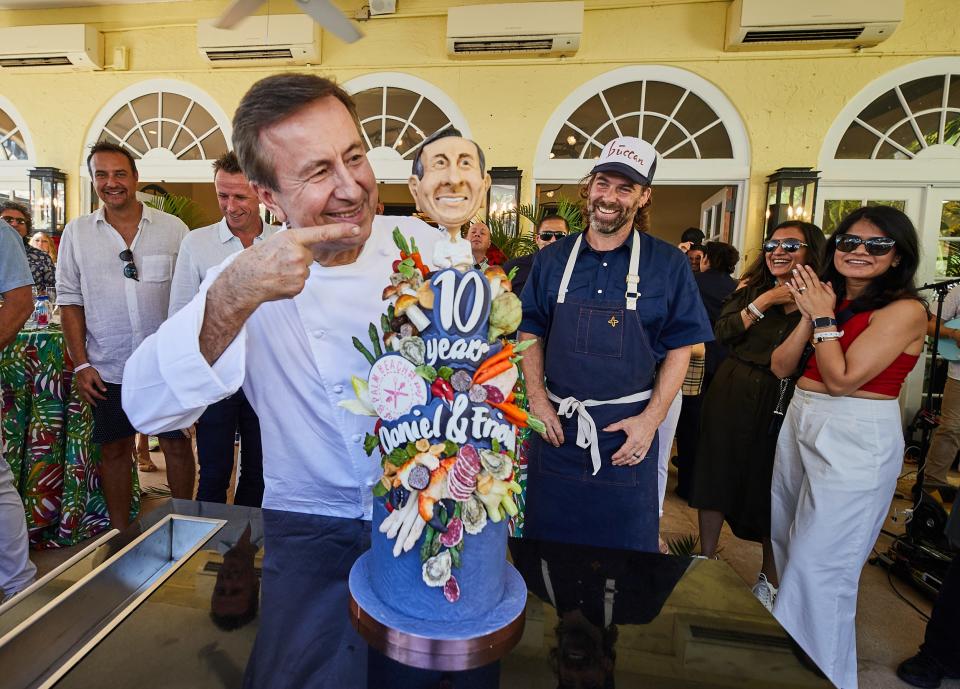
735, 454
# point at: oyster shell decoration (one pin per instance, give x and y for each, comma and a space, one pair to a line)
436, 570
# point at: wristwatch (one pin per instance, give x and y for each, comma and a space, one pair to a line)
825, 322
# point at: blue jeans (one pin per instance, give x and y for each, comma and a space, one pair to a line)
216, 434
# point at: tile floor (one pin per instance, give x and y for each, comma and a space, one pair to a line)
888, 630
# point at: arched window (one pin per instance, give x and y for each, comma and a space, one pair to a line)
397, 112
675, 120
173, 128
16, 153
691, 123
166, 121
905, 120
12, 145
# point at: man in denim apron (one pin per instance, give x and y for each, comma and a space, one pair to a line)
614, 312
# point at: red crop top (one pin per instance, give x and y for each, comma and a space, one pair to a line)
888, 381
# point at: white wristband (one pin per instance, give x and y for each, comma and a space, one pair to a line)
755, 311
79, 368
829, 335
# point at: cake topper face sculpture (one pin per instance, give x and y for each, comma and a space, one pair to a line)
450, 188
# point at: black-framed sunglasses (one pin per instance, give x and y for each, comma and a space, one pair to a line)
875, 246
10, 220
549, 236
129, 270
788, 245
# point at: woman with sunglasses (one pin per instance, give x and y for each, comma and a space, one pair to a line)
734, 457
841, 447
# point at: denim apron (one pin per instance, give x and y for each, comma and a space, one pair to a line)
599, 369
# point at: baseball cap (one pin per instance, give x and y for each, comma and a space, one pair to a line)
629, 156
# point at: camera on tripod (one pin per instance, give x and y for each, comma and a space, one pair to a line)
925, 420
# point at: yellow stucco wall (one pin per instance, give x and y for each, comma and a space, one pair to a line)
788, 100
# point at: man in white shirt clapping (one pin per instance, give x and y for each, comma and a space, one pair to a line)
204, 248
113, 288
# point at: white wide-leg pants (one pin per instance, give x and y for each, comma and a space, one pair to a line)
835, 472
665, 433
16, 570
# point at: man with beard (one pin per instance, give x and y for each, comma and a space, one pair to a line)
613, 312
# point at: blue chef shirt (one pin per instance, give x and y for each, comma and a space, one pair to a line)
670, 306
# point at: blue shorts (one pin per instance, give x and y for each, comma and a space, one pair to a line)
110, 422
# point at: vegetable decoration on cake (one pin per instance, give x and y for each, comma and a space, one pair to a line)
441, 383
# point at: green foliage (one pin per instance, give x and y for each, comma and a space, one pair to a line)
684, 546
570, 211
183, 207
508, 240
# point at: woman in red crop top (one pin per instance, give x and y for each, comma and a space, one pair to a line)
841, 446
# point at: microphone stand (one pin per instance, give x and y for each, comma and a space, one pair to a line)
928, 418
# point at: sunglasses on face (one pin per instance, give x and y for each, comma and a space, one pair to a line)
10, 220
875, 246
550, 236
129, 270
788, 245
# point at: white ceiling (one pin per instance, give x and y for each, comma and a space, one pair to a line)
46, 4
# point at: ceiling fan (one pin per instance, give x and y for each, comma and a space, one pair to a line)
322, 11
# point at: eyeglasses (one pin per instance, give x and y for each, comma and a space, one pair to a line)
9, 219
129, 270
788, 245
875, 246
550, 236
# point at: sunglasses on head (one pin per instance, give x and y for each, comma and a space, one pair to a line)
549, 236
788, 245
129, 270
10, 220
875, 246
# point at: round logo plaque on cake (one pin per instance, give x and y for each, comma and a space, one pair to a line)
395, 387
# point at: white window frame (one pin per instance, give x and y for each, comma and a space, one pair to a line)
159, 165
931, 165
15, 174
387, 163
733, 171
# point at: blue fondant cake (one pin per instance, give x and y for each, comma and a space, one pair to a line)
481, 576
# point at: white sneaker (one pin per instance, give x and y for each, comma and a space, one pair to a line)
765, 592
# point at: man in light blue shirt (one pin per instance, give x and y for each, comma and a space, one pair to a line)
201, 250
16, 570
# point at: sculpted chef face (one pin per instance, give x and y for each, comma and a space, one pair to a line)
453, 185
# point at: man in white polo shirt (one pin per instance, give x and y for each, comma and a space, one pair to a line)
204, 248
113, 288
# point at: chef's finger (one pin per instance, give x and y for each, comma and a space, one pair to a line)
343, 233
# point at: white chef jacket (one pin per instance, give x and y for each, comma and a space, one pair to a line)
294, 359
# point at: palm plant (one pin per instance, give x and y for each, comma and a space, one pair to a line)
508, 240
570, 211
183, 207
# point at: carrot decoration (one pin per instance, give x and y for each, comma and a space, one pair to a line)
483, 375
417, 260
505, 354
519, 417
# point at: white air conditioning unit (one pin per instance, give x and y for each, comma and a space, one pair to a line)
530, 28
57, 46
784, 25
279, 39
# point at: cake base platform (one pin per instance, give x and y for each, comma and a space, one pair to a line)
434, 645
